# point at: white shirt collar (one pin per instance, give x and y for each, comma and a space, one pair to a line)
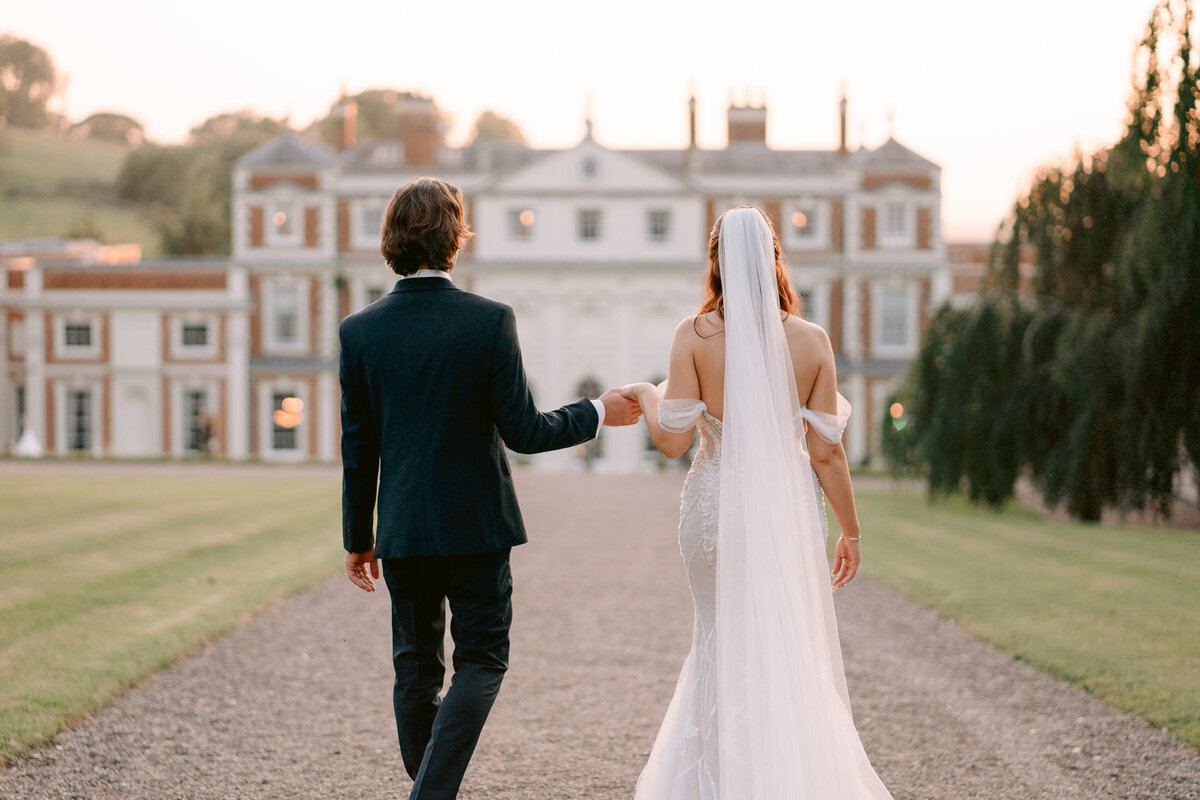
429, 273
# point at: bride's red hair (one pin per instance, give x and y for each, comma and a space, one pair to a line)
714, 299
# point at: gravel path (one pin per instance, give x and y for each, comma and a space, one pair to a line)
296, 703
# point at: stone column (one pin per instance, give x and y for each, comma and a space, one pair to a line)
623, 446
557, 389
237, 377
8, 421
35, 359
857, 443
328, 403
854, 385
852, 341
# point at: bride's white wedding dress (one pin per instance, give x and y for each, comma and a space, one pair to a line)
760, 711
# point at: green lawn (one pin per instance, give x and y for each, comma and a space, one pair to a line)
1114, 610
104, 580
42, 159
56, 185
30, 217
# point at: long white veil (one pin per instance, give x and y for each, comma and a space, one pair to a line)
785, 728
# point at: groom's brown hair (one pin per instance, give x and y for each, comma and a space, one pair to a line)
423, 226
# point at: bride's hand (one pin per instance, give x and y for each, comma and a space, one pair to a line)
846, 557
634, 391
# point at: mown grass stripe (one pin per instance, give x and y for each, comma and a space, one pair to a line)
1114, 610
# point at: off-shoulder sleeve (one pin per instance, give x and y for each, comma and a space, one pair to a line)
679, 416
829, 426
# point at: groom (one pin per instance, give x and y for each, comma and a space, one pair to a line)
433, 388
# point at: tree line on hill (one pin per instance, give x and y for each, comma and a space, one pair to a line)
188, 186
1084, 376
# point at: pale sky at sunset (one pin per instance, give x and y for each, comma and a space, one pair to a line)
987, 90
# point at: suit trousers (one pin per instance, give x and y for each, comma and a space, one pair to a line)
437, 736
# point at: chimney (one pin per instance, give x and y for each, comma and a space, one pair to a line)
747, 124
692, 122
419, 131
842, 124
691, 156
345, 118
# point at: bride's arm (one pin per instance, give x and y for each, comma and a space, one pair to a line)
682, 382
833, 469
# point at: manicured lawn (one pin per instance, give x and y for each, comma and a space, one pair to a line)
42, 175
32, 217
42, 159
104, 580
1114, 610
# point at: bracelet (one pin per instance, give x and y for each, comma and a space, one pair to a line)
852, 538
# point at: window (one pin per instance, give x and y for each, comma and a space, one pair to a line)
587, 227
284, 223
78, 334
370, 220
285, 311
520, 223
284, 220
658, 225
589, 168
195, 334
896, 221
374, 293
287, 416
79, 420
806, 303
804, 222
894, 317
198, 428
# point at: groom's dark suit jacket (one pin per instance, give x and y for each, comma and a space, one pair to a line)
433, 386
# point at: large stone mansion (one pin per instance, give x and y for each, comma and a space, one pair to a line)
600, 251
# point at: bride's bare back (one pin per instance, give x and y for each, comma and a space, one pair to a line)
698, 363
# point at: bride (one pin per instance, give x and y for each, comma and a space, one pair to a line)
761, 710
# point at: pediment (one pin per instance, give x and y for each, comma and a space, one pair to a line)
589, 168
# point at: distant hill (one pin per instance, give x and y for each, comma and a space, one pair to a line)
57, 185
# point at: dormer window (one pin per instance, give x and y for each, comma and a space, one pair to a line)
386, 155
589, 168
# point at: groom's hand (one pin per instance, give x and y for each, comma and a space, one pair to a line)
618, 409
356, 569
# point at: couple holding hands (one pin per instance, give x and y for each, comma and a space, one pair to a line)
433, 395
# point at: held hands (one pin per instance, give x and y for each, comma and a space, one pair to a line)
846, 557
619, 409
634, 392
356, 569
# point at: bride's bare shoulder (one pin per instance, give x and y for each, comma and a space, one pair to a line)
699, 327
808, 337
